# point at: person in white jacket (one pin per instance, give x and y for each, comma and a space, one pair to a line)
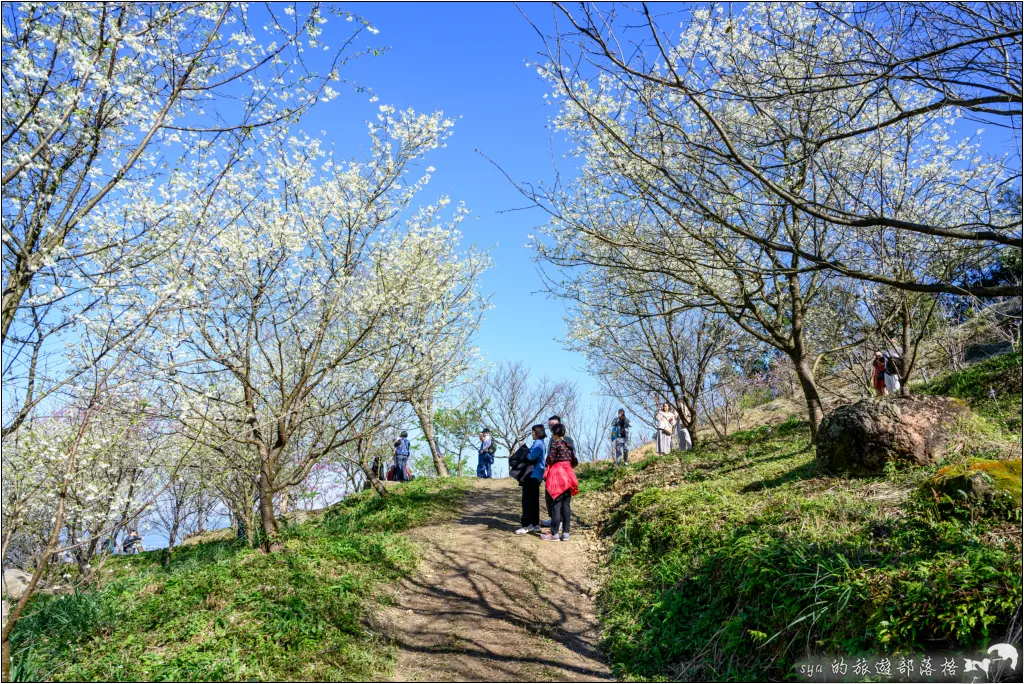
892, 373
666, 421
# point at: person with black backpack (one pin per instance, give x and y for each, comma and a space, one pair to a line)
485, 454
891, 373
530, 468
132, 543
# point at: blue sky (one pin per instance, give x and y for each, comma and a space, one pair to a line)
470, 60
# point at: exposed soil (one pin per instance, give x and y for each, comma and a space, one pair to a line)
488, 605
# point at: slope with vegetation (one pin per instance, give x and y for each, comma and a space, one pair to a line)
226, 611
738, 558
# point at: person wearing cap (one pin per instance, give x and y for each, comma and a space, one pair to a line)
402, 457
485, 454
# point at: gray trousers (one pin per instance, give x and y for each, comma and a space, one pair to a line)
621, 450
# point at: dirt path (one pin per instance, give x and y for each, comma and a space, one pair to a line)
487, 605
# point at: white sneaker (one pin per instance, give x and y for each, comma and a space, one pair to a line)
524, 530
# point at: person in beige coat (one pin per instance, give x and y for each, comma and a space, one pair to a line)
666, 421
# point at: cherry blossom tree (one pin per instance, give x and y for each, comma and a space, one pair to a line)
643, 345
767, 105
121, 123
315, 298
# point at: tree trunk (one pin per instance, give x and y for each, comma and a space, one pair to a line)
200, 514
372, 479
814, 412
688, 417
906, 351
267, 518
172, 536
426, 416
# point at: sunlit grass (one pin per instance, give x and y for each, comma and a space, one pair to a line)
223, 611
734, 560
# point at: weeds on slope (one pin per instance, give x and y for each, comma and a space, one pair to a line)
225, 611
736, 559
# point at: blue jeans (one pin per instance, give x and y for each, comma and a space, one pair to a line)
483, 465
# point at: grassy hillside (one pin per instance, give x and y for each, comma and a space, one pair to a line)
734, 560
223, 611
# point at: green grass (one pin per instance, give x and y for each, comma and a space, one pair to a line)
226, 611
999, 376
735, 560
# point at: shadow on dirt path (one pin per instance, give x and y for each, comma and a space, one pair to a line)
487, 605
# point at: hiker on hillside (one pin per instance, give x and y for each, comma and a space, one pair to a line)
552, 422
878, 374
108, 545
485, 454
620, 437
560, 483
132, 543
666, 420
891, 375
402, 457
530, 522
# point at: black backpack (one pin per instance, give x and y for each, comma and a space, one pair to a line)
519, 465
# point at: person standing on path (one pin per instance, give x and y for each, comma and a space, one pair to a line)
402, 457
485, 454
560, 483
666, 421
530, 521
620, 437
552, 422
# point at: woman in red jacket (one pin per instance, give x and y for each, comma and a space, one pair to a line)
878, 374
560, 483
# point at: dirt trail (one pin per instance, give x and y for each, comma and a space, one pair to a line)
487, 605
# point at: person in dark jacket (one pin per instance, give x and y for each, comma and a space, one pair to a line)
132, 543
402, 457
530, 521
620, 437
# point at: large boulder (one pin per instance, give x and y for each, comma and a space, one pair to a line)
15, 583
861, 438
